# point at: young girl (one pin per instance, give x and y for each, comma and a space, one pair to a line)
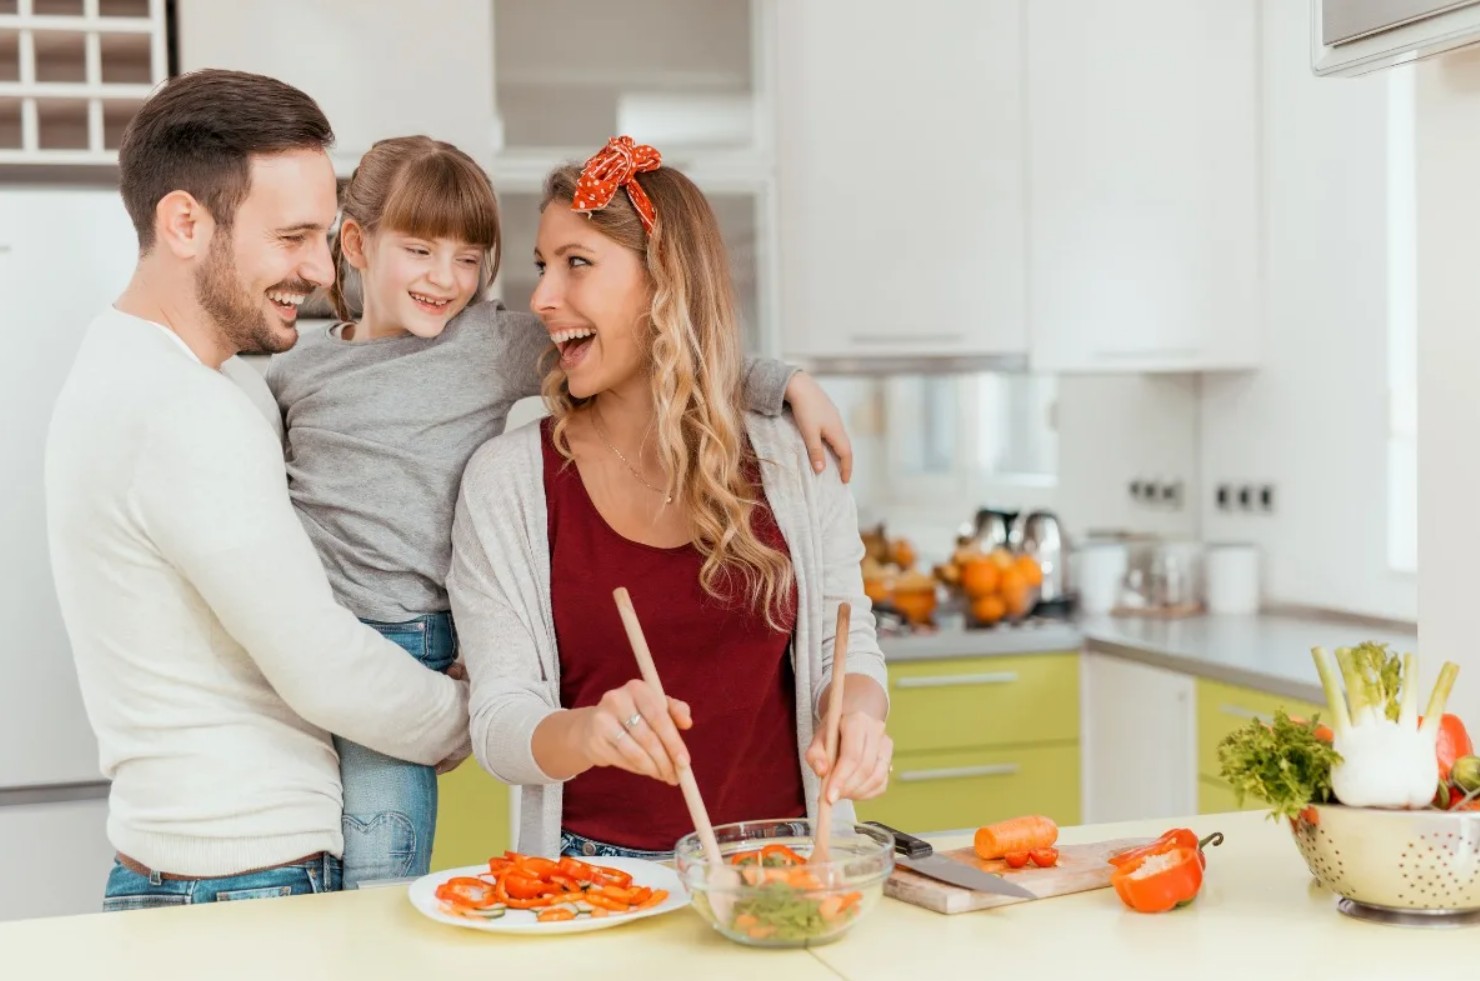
650, 475
382, 415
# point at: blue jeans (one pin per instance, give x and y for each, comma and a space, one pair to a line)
580, 846
390, 805
128, 889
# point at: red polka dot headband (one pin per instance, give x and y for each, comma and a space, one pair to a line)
617, 165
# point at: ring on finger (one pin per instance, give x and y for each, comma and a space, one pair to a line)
632, 722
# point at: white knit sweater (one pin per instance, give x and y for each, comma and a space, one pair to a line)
212, 657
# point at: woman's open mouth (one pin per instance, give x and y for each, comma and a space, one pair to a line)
573, 344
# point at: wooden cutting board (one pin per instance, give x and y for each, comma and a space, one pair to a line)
1080, 868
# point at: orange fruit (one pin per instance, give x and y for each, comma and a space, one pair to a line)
1012, 580
876, 589
1019, 599
1003, 558
988, 609
916, 604
902, 554
980, 577
1030, 570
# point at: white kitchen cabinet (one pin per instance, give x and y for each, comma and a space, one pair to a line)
72, 75
900, 178
377, 70
1143, 187
1139, 738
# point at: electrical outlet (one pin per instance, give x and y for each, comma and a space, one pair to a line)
1245, 498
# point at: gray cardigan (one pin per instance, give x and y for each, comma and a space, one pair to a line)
499, 586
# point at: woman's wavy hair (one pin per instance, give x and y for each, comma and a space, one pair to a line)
692, 334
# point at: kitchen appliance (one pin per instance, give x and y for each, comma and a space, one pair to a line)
990, 529
1080, 868
1355, 37
1233, 578
1099, 570
1039, 534
919, 855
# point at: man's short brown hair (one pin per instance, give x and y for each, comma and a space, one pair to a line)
198, 134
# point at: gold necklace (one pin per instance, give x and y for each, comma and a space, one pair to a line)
601, 432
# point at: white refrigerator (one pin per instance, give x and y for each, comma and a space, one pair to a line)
65, 253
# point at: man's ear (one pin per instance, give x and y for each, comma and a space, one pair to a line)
183, 225
352, 243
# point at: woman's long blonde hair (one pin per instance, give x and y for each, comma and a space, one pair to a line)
692, 335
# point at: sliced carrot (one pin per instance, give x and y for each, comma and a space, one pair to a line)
831, 908
745, 921
555, 914
1020, 834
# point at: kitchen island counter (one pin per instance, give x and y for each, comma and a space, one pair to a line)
1259, 914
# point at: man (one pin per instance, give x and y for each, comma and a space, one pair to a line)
212, 657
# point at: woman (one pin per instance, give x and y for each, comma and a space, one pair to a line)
649, 475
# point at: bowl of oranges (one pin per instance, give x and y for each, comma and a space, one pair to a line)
999, 586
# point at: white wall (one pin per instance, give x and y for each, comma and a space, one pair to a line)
1447, 108
56, 858
1313, 419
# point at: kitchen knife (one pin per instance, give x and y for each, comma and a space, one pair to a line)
918, 856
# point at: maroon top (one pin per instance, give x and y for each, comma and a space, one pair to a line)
733, 670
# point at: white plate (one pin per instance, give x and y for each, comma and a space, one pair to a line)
423, 894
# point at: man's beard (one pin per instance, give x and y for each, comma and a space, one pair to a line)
236, 312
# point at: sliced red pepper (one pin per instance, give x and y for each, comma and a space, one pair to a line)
555, 914
1015, 860
783, 852
522, 887
579, 871
467, 891
1044, 858
1160, 881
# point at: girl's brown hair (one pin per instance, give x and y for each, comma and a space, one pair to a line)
692, 332
418, 186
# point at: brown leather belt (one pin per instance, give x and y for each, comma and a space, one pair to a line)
144, 870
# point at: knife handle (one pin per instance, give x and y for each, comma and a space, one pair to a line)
907, 845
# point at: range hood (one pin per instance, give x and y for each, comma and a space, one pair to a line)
1357, 37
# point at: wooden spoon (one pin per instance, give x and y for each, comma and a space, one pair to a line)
823, 830
723, 880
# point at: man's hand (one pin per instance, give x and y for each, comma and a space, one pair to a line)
820, 422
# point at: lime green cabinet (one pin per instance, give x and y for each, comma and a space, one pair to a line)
472, 817
982, 739
1222, 708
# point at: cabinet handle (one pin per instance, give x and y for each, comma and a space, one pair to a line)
959, 772
908, 338
958, 680
1239, 712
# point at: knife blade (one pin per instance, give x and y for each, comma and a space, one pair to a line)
918, 855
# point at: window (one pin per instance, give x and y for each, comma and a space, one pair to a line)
969, 437
1402, 449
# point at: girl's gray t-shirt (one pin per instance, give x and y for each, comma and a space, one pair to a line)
379, 432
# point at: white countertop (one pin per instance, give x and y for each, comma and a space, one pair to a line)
1268, 651
1259, 915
